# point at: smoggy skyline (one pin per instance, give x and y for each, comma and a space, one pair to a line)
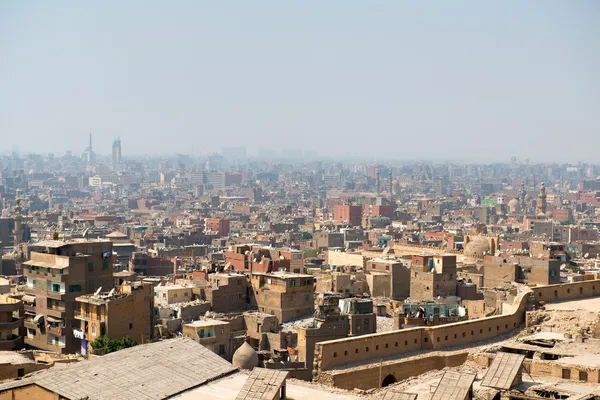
449, 81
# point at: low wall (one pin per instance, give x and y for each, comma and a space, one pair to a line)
370, 348
365, 348
373, 376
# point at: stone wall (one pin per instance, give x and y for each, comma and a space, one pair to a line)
371, 348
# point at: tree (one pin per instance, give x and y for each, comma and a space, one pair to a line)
105, 345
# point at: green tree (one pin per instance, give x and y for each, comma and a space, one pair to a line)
105, 345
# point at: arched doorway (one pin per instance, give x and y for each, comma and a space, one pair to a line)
388, 380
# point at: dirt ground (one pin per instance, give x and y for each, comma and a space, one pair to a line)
592, 304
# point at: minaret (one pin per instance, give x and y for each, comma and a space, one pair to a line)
90, 147
18, 232
541, 208
390, 184
523, 197
378, 180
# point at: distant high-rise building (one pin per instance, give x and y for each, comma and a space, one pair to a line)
116, 152
89, 155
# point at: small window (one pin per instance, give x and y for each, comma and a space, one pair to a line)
90, 267
396, 344
376, 347
455, 336
334, 355
446, 337
105, 265
387, 345
425, 339
367, 349
21, 372
306, 297
345, 352
130, 325
355, 351
583, 376
438, 339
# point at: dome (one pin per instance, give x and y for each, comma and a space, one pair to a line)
245, 357
477, 247
514, 206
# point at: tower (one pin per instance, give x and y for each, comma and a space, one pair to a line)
18, 231
541, 206
116, 151
390, 184
378, 180
89, 155
523, 196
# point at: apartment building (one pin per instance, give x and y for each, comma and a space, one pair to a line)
11, 323
164, 295
116, 314
57, 273
288, 296
213, 334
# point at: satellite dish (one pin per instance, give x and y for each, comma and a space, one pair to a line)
563, 266
97, 292
112, 291
586, 255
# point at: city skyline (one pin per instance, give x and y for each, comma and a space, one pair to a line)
462, 81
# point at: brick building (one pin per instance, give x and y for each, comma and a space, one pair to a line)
288, 296
218, 225
432, 276
348, 214
128, 312
501, 269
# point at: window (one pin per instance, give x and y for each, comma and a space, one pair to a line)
583, 376
90, 267
21, 372
387, 267
377, 347
130, 325
387, 345
356, 351
566, 373
75, 288
334, 355
306, 297
93, 330
293, 283
185, 294
105, 265
345, 352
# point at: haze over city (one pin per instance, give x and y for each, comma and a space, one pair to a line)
465, 81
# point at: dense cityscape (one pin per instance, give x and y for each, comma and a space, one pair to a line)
228, 276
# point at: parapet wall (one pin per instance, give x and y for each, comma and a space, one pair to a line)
371, 348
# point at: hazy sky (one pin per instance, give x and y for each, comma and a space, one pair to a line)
475, 80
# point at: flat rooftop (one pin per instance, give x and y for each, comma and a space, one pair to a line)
206, 322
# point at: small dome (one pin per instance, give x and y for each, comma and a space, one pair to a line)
245, 357
541, 215
514, 206
477, 247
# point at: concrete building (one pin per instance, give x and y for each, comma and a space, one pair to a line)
288, 296
432, 277
57, 273
398, 275
213, 334
170, 294
116, 152
11, 323
128, 312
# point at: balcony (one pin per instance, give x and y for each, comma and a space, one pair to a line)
13, 343
29, 307
58, 312
55, 330
82, 316
11, 325
28, 323
11, 307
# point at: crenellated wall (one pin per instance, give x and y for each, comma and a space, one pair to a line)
372, 348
